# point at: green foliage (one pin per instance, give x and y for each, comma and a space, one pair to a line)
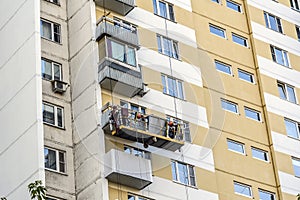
37, 190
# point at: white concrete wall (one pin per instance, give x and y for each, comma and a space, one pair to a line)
21, 144
88, 137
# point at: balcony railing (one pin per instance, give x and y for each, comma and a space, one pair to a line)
146, 129
122, 7
118, 30
127, 169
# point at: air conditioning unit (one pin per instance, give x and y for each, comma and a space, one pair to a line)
59, 86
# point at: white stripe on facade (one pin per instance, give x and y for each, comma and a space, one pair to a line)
282, 41
277, 9
159, 62
278, 72
158, 25
282, 107
289, 183
285, 144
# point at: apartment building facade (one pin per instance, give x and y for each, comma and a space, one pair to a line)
150, 99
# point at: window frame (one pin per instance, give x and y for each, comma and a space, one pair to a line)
55, 107
188, 176
296, 160
57, 161
297, 124
260, 150
142, 153
166, 84
109, 54
279, 27
235, 3
236, 143
247, 73
52, 1
157, 11
224, 65
265, 191
137, 197
219, 29
285, 87
246, 43
254, 111
298, 32
294, 4
232, 103
52, 24
52, 69
243, 185
216, 1
162, 49
284, 54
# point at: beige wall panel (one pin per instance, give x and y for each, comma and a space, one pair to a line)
288, 196
152, 78
206, 180
284, 162
256, 15
226, 188
220, 46
184, 17
147, 39
145, 4
219, 12
294, 61
242, 165
276, 122
269, 85
262, 49
161, 166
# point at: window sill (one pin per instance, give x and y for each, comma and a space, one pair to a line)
48, 124
51, 170
289, 101
295, 9
244, 154
298, 139
170, 56
250, 197
174, 96
254, 119
165, 18
275, 31
177, 182
59, 43
266, 161
283, 65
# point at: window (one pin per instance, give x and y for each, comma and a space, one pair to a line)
246, 76
286, 92
265, 195
295, 4
296, 165
292, 128
242, 189
229, 106
167, 47
279, 56
252, 114
239, 40
235, 146
172, 86
273, 22
54, 160
223, 67
216, 1
53, 115
259, 154
136, 197
50, 31
184, 126
51, 70
137, 152
125, 25
217, 31
121, 52
164, 9
298, 32
183, 173
54, 1
234, 6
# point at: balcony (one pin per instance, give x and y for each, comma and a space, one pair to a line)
117, 30
146, 129
127, 169
122, 7
119, 79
